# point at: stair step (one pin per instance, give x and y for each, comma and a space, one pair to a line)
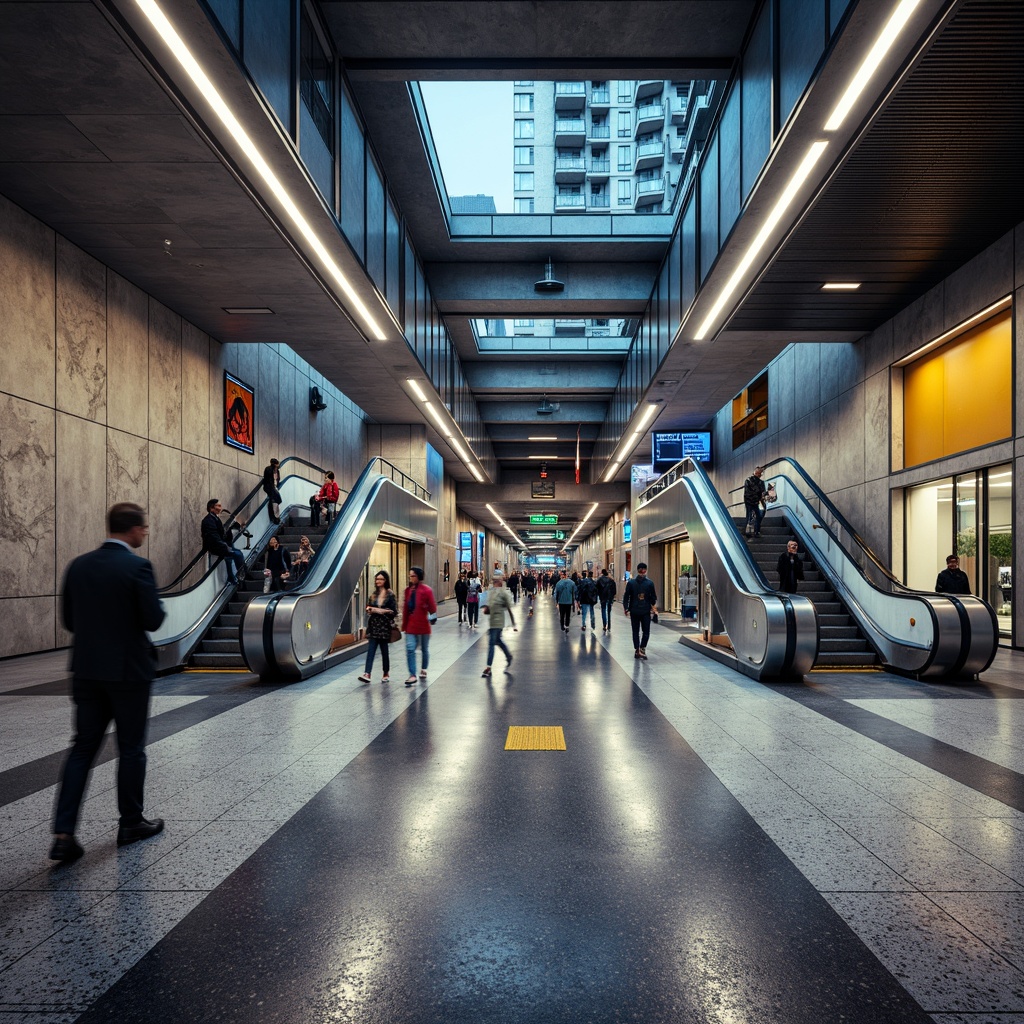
830, 646
229, 621
220, 646
838, 632
219, 632
847, 660
203, 660
831, 620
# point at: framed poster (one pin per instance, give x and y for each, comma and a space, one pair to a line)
239, 413
542, 488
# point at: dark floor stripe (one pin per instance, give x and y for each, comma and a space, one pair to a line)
26, 779
440, 878
984, 776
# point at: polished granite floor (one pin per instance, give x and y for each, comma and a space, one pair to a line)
706, 849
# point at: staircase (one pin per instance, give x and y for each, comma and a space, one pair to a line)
841, 644
220, 647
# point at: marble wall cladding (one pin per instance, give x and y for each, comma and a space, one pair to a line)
840, 368
979, 283
877, 353
27, 305
165, 525
195, 492
781, 381
27, 498
128, 471
874, 528
269, 418
81, 488
877, 440
81, 386
196, 401
29, 625
127, 356
164, 375
807, 379
807, 448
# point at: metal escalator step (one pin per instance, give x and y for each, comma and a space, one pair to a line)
846, 644
204, 660
223, 633
212, 646
833, 619
231, 621
838, 632
840, 660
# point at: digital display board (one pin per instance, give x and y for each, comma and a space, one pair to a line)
669, 448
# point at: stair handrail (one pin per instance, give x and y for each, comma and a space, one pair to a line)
232, 520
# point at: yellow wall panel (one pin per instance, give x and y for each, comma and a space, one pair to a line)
960, 396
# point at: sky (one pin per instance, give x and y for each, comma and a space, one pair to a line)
472, 127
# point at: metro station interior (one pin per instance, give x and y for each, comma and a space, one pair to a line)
226, 238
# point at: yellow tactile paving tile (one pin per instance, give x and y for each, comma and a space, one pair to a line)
535, 737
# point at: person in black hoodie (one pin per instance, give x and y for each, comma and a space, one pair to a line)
606, 590
271, 482
461, 592
791, 568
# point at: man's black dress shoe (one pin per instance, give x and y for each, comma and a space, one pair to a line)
143, 830
66, 850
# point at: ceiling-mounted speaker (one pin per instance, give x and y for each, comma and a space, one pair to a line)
316, 400
546, 408
548, 283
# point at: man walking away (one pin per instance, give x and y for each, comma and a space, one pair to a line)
565, 598
271, 483
497, 601
606, 590
588, 597
640, 602
109, 601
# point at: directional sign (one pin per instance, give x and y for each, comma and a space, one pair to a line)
544, 534
543, 520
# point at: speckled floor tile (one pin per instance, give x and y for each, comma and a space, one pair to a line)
996, 918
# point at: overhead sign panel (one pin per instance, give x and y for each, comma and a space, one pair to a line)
543, 520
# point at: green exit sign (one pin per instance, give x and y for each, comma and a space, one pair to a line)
543, 520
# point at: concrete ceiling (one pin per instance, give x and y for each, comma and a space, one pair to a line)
102, 146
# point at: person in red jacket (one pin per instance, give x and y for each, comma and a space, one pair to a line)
419, 610
326, 499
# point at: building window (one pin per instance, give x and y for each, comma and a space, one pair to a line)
625, 92
597, 190
625, 192
317, 85
750, 411
522, 181
522, 323
522, 102
568, 190
524, 156
625, 124
625, 164
960, 396
522, 83
522, 206
523, 130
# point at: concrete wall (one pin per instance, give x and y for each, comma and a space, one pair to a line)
106, 396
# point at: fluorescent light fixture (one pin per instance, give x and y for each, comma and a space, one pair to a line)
546, 458
869, 65
612, 470
476, 472
459, 450
783, 203
192, 68
840, 286
515, 536
437, 418
542, 439
248, 310
970, 322
415, 385
593, 509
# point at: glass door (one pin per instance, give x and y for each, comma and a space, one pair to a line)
966, 546
999, 545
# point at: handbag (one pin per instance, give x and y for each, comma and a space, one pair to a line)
396, 635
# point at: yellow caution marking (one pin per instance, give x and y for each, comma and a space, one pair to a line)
535, 737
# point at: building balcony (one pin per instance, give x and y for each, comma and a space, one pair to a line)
602, 202
570, 97
649, 119
649, 193
647, 90
600, 99
599, 132
677, 148
570, 133
680, 110
650, 154
599, 170
575, 203
571, 328
570, 170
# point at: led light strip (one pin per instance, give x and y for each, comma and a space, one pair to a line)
761, 239
593, 509
193, 69
444, 429
518, 539
639, 432
988, 311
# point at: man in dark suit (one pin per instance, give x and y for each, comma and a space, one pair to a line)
109, 602
215, 541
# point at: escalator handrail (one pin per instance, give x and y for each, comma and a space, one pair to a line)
241, 507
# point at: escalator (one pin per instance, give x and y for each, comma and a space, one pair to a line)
927, 635
200, 593
860, 614
289, 635
773, 635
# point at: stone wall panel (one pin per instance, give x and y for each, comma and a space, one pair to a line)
27, 297
28, 472
165, 530
164, 375
81, 511
29, 625
196, 404
128, 472
127, 357
81, 386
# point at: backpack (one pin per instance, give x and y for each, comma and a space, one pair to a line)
588, 591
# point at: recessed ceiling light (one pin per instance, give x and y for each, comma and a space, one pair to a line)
248, 310
840, 286
542, 439
544, 458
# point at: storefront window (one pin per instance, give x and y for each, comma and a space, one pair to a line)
1000, 545
966, 545
929, 532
